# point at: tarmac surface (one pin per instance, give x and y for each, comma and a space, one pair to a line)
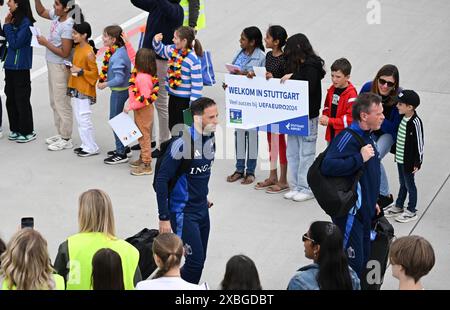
411, 34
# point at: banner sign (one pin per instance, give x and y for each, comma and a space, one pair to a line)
267, 104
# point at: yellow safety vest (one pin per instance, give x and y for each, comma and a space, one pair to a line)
59, 283
201, 21
82, 248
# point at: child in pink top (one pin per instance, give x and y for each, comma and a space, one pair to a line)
143, 92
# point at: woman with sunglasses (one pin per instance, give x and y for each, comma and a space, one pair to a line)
386, 84
330, 270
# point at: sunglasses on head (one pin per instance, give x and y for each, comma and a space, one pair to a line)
384, 82
305, 237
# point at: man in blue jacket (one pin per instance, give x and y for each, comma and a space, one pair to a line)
183, 208
345, 157
165, 16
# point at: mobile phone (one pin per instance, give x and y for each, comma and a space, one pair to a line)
68, 63
27, 222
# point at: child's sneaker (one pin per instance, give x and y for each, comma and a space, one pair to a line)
136, 163
77, 150
303, 197
61, 145
86, 154
13, 136
143, 169
290, 194
116, 159
393, 212
127, 151
406, 217
53, 139
27, 138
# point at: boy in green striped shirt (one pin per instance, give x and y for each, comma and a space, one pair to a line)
408, 155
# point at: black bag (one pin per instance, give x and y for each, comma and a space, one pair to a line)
335, 195
383, 233
143, 242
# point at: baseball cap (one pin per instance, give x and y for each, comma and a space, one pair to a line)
409, 97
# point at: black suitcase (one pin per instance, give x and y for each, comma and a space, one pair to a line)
382, 235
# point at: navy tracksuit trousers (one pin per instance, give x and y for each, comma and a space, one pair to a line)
193, 229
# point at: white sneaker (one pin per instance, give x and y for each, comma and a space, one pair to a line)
393, 212
290, 194
53, 139
406, 217
61, 145
303, 196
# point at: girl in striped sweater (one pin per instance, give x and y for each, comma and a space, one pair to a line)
184, 81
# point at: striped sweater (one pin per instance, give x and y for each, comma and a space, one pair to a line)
191, 73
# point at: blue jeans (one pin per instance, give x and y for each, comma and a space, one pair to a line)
384, 144
301, 151
116, 104
246, 146
407, 186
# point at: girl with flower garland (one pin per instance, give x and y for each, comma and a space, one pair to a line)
143, 93
184, 76
115, 74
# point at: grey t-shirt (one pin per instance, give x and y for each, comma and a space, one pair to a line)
58, 31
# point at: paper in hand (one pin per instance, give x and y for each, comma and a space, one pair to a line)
125, 128
36, 33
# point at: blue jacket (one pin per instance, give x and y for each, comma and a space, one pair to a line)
20, 53
190, 194
306, 279
119, 69
164, 16
257, 59
391, 121
344, 158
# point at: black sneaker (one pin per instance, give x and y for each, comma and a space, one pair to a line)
385, 202
127, 151
116, 159
77, 150
86, 154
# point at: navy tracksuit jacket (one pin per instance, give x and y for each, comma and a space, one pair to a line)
187, 205
344, 158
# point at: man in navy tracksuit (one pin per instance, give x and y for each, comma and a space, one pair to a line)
184, 210
345, 157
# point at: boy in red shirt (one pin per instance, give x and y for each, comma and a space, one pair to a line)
337, 112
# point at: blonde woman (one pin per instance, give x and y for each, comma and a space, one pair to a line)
26, 264
167, 252
96, 231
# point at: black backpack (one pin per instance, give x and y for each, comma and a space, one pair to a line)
143, 242
335, 195
185, 165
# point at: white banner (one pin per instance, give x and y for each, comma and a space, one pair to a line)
257, 102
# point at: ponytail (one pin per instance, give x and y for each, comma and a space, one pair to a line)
92, 43
198, 49
168, 248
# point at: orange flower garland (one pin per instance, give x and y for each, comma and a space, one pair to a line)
174, 70
108, 54
141, 98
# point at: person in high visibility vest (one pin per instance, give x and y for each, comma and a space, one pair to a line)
97, 231
194, 13
26, 264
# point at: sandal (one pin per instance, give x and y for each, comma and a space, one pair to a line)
249, 179
235, 176
262, 185
277, 189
